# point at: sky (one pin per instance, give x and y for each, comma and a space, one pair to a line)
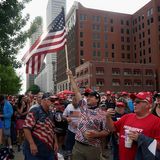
38, 8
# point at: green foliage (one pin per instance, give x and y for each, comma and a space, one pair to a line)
10, 83
34, 89
12, 37
34, 25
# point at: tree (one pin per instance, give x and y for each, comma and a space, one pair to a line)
35, 25
34, 89
10, 83
12, 37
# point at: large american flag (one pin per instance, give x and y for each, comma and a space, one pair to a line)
49, 42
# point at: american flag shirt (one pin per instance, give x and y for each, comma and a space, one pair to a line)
41, 125
90, 120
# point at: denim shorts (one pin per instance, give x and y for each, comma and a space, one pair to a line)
1, 124
6, 132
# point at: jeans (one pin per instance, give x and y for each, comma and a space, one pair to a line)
70, 140
43, 152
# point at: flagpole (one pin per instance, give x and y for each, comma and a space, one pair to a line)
66, 51
67, 65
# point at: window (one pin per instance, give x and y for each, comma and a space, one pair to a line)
122, 30
81, 53
81, 43
106, 45
99, 54
122, 22
143, 34
148, 31
122, 47
128, 56
81, 25
112, 46
127, 71
116, 82
151, 19
127, 23
105, 28
128, 39
100, 82
83, 17
149, 83
105, 19
149, 72
144, 52
127, 31
150, 59
112, 29
149, 41
81, 34
94, 53
96, 18
123, 55
112, 54
143, 43
99, 70
111, 20
137, 82
142, 25
105, 36
128, 48
137, 72
116, 71
149, 50
127, 82
158, 8
122, 39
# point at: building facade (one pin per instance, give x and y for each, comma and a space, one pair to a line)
30, 77
123, 41
53, 9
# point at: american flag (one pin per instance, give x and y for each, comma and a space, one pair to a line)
50, 42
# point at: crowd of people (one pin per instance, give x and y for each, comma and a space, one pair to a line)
87, 125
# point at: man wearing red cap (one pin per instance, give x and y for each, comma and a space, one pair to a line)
132, 127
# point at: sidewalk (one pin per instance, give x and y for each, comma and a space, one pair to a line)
18, 155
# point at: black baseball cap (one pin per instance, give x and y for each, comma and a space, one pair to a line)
95, 94
46, 96
157, 95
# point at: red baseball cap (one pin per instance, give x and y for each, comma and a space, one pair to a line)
120, 104
144, 96
124, 93
108, 92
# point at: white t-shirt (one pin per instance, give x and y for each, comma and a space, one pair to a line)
74, 114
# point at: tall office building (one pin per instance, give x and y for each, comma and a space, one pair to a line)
53, 9
30, 77
112, 50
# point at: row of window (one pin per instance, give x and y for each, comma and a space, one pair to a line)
117, 82
129, 82
117, 71
98, 19
82, 72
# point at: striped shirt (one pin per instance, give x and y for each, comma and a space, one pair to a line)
41, 125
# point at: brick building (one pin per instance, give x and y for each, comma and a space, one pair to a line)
113, 42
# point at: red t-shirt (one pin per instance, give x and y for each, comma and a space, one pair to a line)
149, 126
